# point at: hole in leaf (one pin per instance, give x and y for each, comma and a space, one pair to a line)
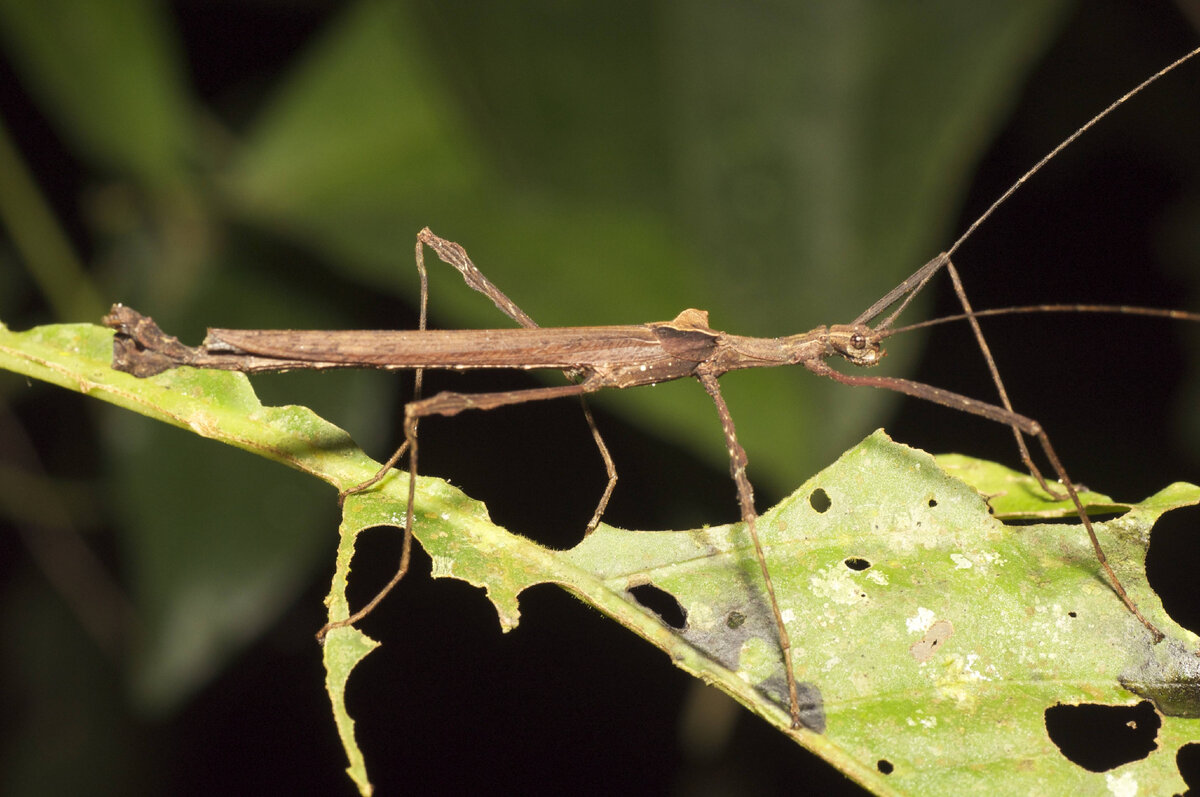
1100, 738
376, 553
1188, 761
820, 500
932, 503
661, 603
1065, 520
1171, 565
856, 563
884, 766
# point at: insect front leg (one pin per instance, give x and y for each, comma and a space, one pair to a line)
1021, 424
1057, 495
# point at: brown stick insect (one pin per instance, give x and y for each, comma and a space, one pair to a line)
596, 358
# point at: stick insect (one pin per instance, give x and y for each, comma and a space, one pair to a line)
596, 358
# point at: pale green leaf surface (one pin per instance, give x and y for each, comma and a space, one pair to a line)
345, 649
1012, 494
1023, 617
214, 404
925, 632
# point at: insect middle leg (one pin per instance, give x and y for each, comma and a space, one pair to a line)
737, 470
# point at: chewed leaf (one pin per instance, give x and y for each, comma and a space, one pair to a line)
345, 648
930, 638
926, 633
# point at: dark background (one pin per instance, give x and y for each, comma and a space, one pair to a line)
568, 701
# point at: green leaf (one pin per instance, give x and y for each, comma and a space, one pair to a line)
356, 136
926, 633
213, 404
110, 72
1013, 495
203, 585
345, 647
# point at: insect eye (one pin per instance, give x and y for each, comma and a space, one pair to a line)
858, 341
